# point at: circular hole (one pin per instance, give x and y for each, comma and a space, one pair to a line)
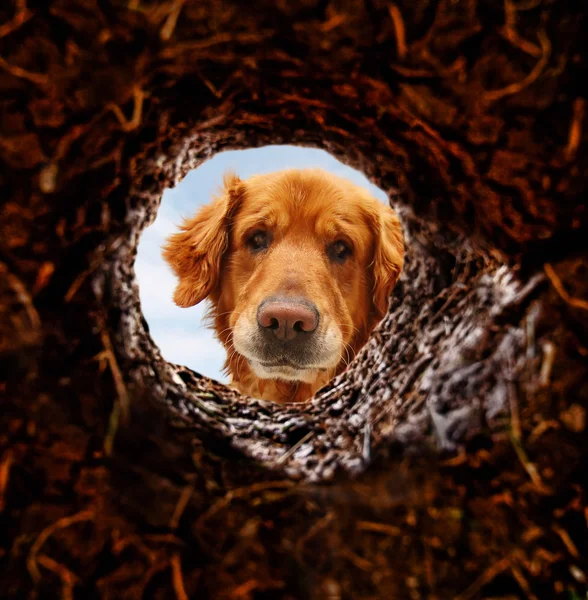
416, 381
187, 336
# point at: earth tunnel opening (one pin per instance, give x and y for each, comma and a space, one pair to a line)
453, 318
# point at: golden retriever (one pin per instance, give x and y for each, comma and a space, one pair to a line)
298, 266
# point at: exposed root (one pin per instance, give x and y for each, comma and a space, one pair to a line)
510, 33
515, 88
177, 577
122, 406
68, 579
4, 474
32, 561
567, 540
135, 121
22, 295
181, 505
383, 528
529, 466
320, 525
556, 282
241, 493
399, 30
37, 78
333, 22
486, 577
170, 23
522, 581
549, 351
21, 16
575, 135
541, 429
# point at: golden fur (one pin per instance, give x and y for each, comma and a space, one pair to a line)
328, 242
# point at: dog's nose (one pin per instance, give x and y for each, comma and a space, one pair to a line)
287, 318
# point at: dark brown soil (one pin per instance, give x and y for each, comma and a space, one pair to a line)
450, 460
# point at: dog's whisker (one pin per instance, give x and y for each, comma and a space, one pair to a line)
219, 333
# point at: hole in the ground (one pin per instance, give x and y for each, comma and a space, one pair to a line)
184, 335
435, 371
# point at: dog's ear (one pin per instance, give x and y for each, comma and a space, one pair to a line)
388, 259
196, 252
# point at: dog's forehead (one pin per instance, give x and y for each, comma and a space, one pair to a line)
311, 202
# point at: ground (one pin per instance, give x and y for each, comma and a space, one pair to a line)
449, 462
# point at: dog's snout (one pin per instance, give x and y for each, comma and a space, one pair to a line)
287, 318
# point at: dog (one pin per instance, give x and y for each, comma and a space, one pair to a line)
298, 267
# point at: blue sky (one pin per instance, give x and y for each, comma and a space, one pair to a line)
179, 332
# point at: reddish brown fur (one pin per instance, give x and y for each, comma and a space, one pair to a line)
304, 211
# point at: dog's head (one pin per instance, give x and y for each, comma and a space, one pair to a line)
298, 266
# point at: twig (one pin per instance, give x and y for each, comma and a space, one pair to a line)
399, 30
23, 296
486, 577
172, 19
119, 544
244, 590
216, 93
95, 262
527, 464
220, 38
241, 493
37, 78
135, 121
383, 528
295, 447
181, 506
530, 331
113, 423
156, 567
367, 443
358, 561
21, 16
178, 579
547, 364
122, 406
75, 286
510, 33
513, 403
4, 474
522, 581
575, 135
68, 579
567, 540
84, 515
515, 88
313, 530
559, 288
333, 23
541, 429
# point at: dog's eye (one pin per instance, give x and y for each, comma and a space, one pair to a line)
339, 251
259, 240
